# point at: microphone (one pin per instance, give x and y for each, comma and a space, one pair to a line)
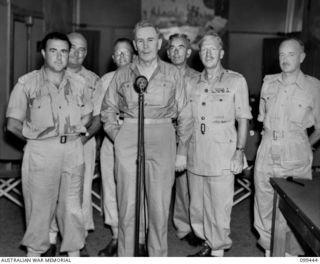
140, 84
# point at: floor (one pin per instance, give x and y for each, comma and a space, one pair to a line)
242, 234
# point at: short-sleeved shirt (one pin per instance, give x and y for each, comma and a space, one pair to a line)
92, 81
165, 97
286, 110
216, 104
47, 110
290, 107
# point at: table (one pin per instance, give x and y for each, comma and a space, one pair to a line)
298, 206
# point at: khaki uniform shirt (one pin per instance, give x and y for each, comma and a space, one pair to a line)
189, 74
165, 98
47, 111
286, 111
101, 90
92, 81
215, 104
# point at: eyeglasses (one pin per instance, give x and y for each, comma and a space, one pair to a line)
124, 53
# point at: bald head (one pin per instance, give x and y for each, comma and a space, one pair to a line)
78, 51
77, 36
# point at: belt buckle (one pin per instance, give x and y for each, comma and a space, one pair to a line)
274, 134
63, 139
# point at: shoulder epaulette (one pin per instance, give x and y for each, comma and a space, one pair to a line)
76, 77
271, 77
106, 76
29, 76
92, 74
231, 73
314, 81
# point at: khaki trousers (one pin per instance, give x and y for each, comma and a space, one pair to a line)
160, 150
89, 161
52, 179
181, 216
110, 205
267, 165
211, 200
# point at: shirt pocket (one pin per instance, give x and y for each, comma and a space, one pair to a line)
160, 93
194, 101
296, 153
299, 109
41, 115
222, 106
269, 100
75, 110
128, 95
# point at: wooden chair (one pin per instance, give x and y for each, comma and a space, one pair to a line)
10, 186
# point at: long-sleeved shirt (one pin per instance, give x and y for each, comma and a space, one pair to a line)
165, 97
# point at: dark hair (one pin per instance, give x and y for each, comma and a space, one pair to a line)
54, 35
183, 37
124, 40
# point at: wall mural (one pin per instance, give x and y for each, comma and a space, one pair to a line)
191, 17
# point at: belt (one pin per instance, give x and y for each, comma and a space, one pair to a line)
278, 134
64, 139
149, 121
61, 139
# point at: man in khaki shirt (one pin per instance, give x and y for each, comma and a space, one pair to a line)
77, 55
49, 109
122, 55
216, 150
165, 99
179, 51
289, 104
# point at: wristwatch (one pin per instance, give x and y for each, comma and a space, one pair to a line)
240, 149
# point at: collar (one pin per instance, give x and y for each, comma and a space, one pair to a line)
204, 75
160, 67
44, 76
300, 81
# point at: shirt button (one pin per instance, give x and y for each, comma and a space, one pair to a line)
206, 90
203, 118
203, 103
220, 99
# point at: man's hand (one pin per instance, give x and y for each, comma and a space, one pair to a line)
237, 162
84, 139
181, 163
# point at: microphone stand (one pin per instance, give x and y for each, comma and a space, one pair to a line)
140, 86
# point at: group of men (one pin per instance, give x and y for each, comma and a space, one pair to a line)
194, 123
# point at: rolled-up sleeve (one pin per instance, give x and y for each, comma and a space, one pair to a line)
18, 103
262, 105
110, 108
316, 105
242, 99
